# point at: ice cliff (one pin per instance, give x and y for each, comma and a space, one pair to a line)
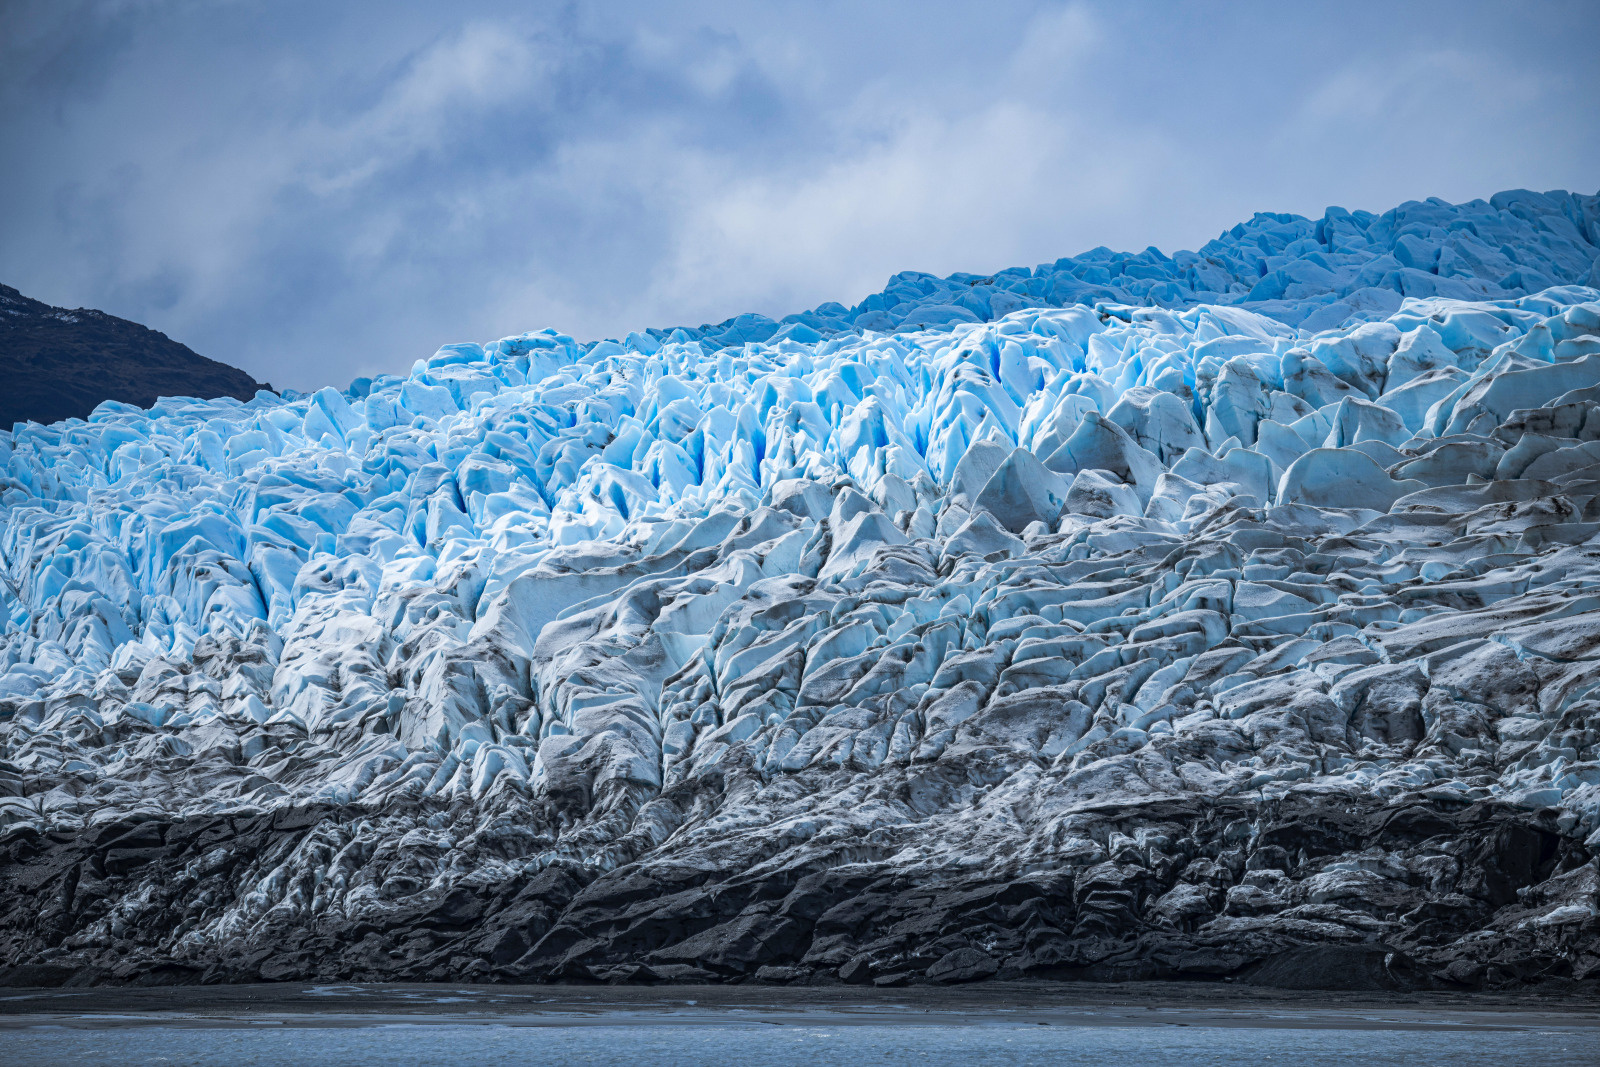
1131, 616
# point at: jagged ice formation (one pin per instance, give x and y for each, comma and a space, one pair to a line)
1128, 617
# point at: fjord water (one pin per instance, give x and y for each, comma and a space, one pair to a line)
397, 1025
758, 1044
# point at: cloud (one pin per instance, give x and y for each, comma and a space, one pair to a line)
1429, 85
1434, 121
483, 66
319, 191
974, 191
1053, 45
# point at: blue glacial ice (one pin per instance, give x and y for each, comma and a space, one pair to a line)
1308, 512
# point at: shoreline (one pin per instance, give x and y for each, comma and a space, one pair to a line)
332, 1005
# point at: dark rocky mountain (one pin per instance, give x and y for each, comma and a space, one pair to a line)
58, 364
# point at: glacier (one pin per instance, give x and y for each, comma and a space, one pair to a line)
1208, 616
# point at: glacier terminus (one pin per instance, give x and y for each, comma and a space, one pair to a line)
1233, 614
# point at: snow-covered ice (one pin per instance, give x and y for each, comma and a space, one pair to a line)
998, 577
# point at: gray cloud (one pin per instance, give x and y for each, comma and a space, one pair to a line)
318, 191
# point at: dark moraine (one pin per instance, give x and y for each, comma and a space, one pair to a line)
1447, 914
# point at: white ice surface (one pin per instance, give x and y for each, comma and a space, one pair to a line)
1317, 501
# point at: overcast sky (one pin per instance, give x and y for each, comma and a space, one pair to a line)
314, 191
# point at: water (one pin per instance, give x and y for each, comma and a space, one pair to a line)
634, 1044
752, 1026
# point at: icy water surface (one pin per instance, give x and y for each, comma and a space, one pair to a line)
750, 1045
997, 1023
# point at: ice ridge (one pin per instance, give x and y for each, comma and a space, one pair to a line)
1217, 605
1312, 273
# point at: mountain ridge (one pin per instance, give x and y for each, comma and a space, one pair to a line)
58, 363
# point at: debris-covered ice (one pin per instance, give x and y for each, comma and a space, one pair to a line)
1132, 616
